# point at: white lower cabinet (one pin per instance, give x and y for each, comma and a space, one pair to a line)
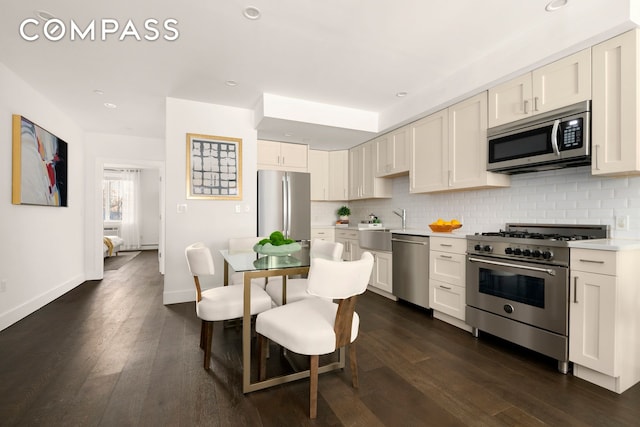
447, 275
382, 275
603, 317
349, 239
323, 233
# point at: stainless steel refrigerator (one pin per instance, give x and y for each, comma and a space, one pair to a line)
284, 204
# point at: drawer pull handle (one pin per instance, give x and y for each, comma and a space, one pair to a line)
445, 287
446, 245
446, 256
575, 289
593, 261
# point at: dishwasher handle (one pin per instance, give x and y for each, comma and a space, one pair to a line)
414, 242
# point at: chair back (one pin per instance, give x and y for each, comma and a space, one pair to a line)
327, 250
338, 279
199, 259
243, 244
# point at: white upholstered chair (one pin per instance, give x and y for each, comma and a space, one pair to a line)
297, 288
243, 244
317, 326
220, 303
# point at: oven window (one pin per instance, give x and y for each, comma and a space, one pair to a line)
515, 287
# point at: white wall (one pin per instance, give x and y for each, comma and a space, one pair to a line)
568, 196
42, 250
100, 150
210, 221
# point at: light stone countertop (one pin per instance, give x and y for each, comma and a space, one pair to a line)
428, 233
607, 244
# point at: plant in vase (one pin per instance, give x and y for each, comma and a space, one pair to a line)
276, 244
343, 214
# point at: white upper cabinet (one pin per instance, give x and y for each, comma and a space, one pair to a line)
329, 174
282, 156
564, 82
449, 150
615, 135
393, 153
339, 175
363, 183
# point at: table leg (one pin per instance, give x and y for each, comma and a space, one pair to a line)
246, 335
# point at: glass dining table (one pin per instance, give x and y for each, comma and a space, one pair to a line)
253, 266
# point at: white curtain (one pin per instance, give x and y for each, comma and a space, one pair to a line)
130, 229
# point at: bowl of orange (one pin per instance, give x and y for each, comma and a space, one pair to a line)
442, 226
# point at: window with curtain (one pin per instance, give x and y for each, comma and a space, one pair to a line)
121, 203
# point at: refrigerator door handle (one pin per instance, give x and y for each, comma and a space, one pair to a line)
285, 210
288, 211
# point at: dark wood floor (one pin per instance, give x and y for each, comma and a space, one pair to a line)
109, 353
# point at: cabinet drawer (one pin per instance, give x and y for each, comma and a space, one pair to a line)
448, 244
347, 234
323, 234
592, 261
447, 298
447, 267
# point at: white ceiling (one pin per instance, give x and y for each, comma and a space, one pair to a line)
348, 53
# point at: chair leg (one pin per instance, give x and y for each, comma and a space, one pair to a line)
202, 333
207, 344
263, 346
353, 363
313, 386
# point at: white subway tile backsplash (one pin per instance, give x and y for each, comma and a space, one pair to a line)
567, 196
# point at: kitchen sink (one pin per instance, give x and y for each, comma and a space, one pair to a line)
375, 240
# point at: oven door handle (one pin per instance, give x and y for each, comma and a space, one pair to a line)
549, 271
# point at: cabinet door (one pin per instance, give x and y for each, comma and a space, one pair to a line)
468, 142
294, 156
510, 101
562, 83
447, 267
401, 151
384, 152
319, 170
339, 175
369, 170
615, 116
592, 321
381, 276
268, 153
429, 139
356, 156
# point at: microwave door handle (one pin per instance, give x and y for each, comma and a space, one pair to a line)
554, 137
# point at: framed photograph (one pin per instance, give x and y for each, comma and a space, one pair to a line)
39, 165
214, 167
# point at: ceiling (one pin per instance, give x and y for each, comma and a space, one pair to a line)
354, 55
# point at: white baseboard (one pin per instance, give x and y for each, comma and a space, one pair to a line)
15, 314
177, 297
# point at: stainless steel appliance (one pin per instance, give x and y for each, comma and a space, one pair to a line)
284, 203
410, 257
552, 140
518, 284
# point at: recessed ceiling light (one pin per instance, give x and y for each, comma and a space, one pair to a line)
43, 15
231, 83
401, 94
98, 92
554, 5
110, 105
251, 12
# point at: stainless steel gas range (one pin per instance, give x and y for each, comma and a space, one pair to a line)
518, 284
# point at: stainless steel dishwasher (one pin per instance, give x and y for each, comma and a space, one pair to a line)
411, 268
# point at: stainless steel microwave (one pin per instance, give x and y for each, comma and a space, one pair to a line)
553, 140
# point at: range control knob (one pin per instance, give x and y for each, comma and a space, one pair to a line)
477, 247
526, 252
508, 251
547, 254
537, 253
487, 248
517, 251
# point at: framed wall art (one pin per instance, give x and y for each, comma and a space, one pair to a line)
214, 167
39, 162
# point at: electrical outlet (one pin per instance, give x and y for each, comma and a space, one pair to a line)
3, 285
622, 222
238, 208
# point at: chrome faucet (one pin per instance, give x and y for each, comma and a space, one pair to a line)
402, 213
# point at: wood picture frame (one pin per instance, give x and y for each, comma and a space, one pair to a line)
214, 167
39, 165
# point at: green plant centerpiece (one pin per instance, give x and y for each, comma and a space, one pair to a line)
344, 211
277, 245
